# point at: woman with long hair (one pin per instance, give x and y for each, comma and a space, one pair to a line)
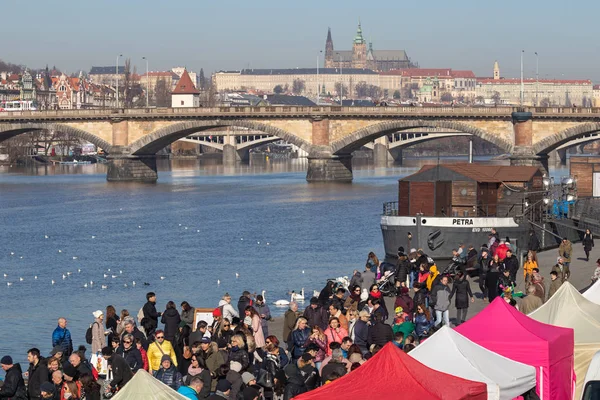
300, 334
111, 322
171, 319
259, 337
334, 333
318, 338
351, 303
528, 267
224, 334
423, 321
71, 390
372, 262
199, 369
121, 325
90, 389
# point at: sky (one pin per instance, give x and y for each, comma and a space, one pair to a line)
226, 35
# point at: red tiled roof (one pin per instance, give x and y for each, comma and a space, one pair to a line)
514, 81
463, 74
596, 87
185, 85
489, 173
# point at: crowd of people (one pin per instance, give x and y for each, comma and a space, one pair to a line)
234, 356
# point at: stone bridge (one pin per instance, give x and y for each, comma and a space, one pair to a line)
329, 135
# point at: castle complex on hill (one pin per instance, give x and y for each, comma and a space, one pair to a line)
365, 58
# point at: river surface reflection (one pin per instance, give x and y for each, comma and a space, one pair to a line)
201, 223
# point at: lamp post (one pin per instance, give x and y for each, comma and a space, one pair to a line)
341, 82
147, 82
318, 91
537, 78
522, 87
117, 72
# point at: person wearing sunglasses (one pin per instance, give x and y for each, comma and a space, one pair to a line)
130, 353
158, 349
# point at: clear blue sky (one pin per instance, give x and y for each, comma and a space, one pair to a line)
460, 34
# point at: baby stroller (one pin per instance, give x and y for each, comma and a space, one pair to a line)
453, 268
385, 284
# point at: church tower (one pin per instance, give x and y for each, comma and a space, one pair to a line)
496, 71
359, 50
329, 51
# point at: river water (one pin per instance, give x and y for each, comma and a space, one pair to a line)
200, 223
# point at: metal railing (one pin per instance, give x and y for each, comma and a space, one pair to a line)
390, 208
588, 207
291, 110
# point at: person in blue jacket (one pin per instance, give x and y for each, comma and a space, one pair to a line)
191, 391
62, 337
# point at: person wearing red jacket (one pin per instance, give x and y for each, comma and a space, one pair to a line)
138, 343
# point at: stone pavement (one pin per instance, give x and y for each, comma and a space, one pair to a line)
581, 271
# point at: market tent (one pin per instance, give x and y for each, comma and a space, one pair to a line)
391, 372
144, 386
569, 309
450, 352
504, 330
593, 292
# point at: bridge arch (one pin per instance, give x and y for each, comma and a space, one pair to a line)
557, 140
153, 142
8, 131
369, 133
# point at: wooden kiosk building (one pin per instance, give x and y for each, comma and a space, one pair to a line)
469, 190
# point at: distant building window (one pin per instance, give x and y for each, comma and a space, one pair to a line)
181, 102
62, 88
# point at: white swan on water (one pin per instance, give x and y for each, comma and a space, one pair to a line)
298, 296
278, 302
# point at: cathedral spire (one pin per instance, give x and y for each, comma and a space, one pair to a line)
358, 39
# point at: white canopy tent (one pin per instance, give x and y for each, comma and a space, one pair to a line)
144, 386
593, 293
450, 352
570, 309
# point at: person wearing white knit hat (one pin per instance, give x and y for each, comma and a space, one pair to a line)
98, 336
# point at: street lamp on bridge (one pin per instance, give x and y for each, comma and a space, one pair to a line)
117, 72
147, 81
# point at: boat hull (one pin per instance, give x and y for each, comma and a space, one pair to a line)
437, 236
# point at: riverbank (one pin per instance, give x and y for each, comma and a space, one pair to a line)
581, 271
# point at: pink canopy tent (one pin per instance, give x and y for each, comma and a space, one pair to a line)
504, 330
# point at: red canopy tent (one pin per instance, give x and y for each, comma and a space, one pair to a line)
393, 374
504, 330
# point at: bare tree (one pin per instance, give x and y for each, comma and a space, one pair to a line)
446, 96
496, 98
162, 94
545, 102
298, 86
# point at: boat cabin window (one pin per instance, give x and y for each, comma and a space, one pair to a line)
591, 391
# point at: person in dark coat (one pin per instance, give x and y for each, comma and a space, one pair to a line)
38, 373
171, 319
316, 314
361, 331
14, 386
120, 369
484, 267
533, 244
588, 243
336, 364
380, 333
402, 269
491, 281
150, 320
300, 336
511, 263
420, 296
356, 279
326, 294
130, 353
462, 290
405, 301
137, 334
244, 301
